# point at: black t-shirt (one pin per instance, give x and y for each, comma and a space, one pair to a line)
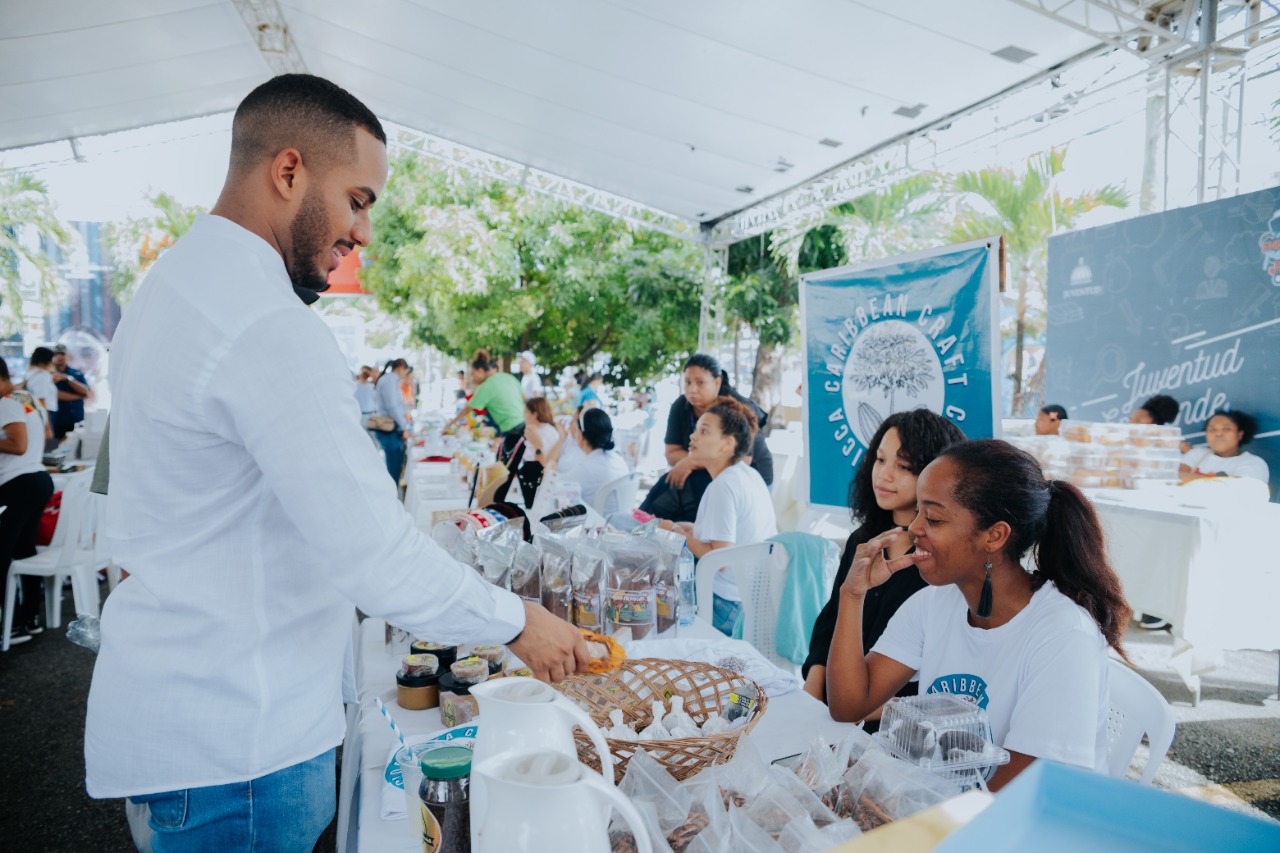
878, 607
681, 421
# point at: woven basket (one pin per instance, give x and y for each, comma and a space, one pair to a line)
632, 688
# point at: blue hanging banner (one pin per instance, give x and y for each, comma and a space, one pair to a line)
903, 333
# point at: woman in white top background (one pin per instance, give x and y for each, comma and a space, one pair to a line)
25, 489
736, 509
1225, 433
1029, 647
598, 464
540, 435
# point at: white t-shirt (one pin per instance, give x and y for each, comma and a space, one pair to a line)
531, 385
737, 508
1205, 461
593, 470
40, 384
21, 408
1042, 677
549, 436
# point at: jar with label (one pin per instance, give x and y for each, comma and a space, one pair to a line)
445, 793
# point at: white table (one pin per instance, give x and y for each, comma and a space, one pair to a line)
790, 722
1210, 567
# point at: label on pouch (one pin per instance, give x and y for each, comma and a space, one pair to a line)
625, 607
432, 834
585, 605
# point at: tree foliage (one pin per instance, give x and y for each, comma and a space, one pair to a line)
472, 262
25, 206
135, 244
1026, 208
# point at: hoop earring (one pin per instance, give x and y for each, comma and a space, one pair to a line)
984, 600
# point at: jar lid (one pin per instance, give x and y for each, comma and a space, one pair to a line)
423, 680
449, 684
447, 762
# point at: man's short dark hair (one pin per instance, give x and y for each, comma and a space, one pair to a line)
1055, 409
40, 355
301, 111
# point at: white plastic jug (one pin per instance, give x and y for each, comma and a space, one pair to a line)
539, 800
523, 714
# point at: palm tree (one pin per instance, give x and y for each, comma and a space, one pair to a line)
1026, 208
25, 206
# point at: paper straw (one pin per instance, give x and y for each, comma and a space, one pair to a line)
390, 722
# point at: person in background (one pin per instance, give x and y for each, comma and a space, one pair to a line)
736, 508
460, 393
1159, 410
366, 394
42, 383
497, 394
73, 390
1049, 419
409, 392
530, 381
1225, 434
25, 489
540, 436
882, 495
590, 397
253, 515
677, 494
598, 464
1029, 646
390, 403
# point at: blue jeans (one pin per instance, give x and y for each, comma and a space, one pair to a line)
726, 617
282, 812
393, 446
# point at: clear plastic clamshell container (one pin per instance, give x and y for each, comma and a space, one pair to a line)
945, 733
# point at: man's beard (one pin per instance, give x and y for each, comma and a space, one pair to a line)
308, 236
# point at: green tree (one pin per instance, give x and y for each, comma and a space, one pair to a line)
472, 262
1026, 208
135, 244
24, 207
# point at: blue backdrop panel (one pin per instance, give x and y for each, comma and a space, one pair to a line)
1184, 303
910, 332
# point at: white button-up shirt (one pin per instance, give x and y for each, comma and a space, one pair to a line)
251, 514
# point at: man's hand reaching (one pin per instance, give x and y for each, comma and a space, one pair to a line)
549, 646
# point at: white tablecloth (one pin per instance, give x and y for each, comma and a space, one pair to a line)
788, 725
1209, 568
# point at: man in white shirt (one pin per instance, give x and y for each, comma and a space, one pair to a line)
252, 515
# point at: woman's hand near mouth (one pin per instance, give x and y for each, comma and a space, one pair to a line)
870, 568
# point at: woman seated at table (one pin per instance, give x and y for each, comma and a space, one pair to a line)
597, 464
679, 492
540, 435
1225, 433
736, 508
882, 494
1029, 647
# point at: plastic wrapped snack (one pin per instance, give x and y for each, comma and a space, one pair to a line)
470, 671
884, 788
493, 561
420, 665
526, 573
557, 586
493, 655
666, 589
442, 652
943, 733
629, 599
588, 569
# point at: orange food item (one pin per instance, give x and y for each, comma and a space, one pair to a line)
606, 654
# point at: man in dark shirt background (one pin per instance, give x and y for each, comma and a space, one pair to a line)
73, 390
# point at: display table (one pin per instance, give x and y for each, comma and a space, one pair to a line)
790, 722
1208, 567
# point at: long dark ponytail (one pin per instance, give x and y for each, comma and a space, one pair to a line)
999, 482
393, 364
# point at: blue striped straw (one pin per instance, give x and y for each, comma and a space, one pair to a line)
390, 722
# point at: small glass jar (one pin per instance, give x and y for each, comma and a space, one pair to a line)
445, 793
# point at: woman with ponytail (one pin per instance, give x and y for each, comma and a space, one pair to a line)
390, 403
1028, 646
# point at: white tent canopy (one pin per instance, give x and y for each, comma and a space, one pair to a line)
696, 109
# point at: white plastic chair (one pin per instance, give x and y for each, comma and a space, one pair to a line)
624, 488
760, 570
62, 558
1136, 708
